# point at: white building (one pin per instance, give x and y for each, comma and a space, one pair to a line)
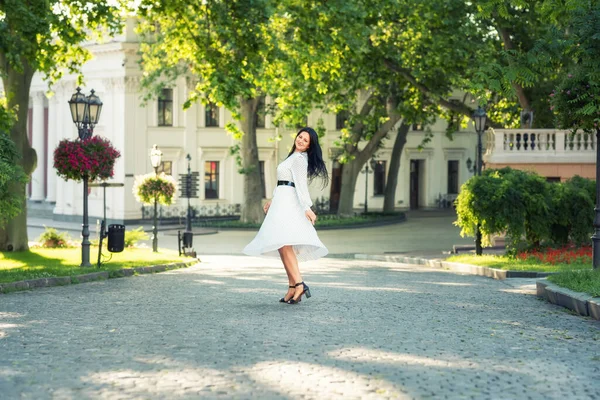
439, 169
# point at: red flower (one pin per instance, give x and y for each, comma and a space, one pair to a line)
565, 255
94, 157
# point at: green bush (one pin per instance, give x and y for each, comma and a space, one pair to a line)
573, 208
52, 239
529, 210
506, 201
135, 235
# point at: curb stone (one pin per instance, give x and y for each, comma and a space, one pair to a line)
94, 276
583, 304
594, 308
456, 267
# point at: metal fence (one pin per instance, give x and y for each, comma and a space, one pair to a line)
203, 213
177, 214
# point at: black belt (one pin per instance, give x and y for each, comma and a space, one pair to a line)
285, 183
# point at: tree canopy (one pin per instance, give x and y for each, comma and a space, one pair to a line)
42, 36
225, 49
576, 99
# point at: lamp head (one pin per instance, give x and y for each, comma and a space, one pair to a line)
94, 108
479, 117
155, 156
79, 107
469, 163
373, 163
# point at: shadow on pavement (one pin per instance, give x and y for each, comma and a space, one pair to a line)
216, 330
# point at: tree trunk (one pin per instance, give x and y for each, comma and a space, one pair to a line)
389, 201
349, 177
13, 236
252, 210
353, 167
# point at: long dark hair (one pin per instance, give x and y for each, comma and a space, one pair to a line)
316, 165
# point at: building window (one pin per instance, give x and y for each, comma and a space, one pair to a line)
211, 180
453, 177
340, 119
166, 167
379, 178
165, 108
553, 179
260, 112
261, 166
212, 115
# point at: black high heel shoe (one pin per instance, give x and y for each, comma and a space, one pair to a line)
283, 300
306, 292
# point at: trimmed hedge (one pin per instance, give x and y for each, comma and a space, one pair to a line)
529, 210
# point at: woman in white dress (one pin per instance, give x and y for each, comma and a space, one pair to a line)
288, 229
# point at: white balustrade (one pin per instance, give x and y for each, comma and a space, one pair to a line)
540, 146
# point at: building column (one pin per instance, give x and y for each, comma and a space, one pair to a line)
64, 127
38, 176
52, 143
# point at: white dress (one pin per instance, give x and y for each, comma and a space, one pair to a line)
286, 222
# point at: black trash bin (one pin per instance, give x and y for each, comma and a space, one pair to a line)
116, 238
188, 239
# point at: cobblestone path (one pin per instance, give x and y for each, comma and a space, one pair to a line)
371, 330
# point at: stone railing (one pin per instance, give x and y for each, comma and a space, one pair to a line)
539, 146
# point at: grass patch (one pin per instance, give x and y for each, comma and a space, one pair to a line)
507, 263
586, 281
48, 263
323, 221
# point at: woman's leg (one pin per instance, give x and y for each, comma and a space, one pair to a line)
286, 266
291, 264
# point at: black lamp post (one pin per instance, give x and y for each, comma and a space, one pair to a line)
596, 235
479, 117
85, 111
188, 219
373, 163
155, 160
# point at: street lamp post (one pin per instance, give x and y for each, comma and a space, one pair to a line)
367, 172
155, 160
596, 235
479, 117
189, 182
188, 219
85, 111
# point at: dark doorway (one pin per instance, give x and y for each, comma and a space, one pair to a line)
414, 184
336, 186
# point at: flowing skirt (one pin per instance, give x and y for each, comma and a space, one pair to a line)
286, 224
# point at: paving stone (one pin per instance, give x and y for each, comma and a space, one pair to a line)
371, 330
